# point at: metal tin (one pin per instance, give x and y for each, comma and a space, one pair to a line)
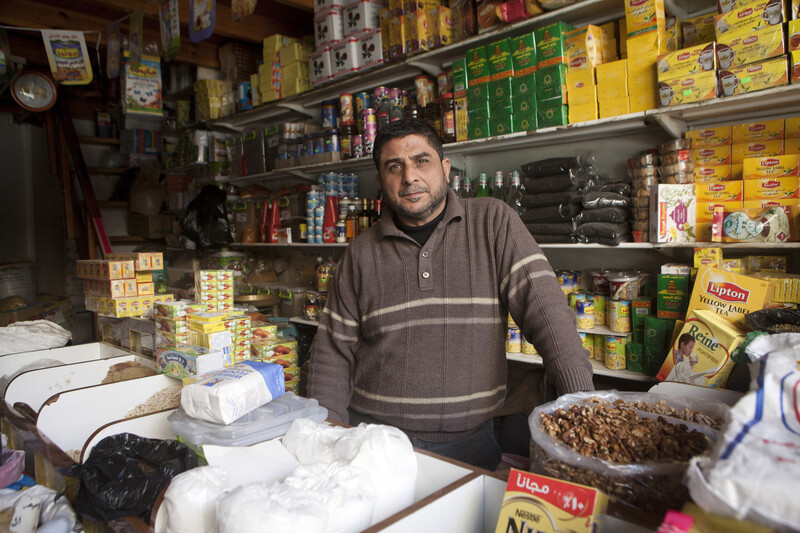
619, 316
396, 97
362, 101
318, 143
513, 340
330, 113
358, 146
379, 94
370, 117
565, 281
575, 297
600, 348
615, 352
527, 347
370, 132
588, 342
585, 312
623, 286
347, 116
331, 141
600, 304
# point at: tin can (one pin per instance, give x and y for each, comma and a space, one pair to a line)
623, 286
396, 97
513, 340
575, 297
370, 116
406, 98
615, 352
358, 146
330, 114
600, 303
441, 82
619, 316
599, 281
362, 102
303, 231
600, 348
379, 94
585, 312
565, 281
527, 347
424, 97
346, 109
510, 322
588, 342
245, 96
370, 132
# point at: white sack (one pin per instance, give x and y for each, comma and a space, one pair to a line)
32, 335
276, 508
311, 442
190, 502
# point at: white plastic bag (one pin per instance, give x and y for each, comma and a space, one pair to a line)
260, 507
39, 507
754, 470
190, 502
311, 442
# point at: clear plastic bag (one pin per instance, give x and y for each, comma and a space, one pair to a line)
550, 167
637, 492
615, 215
602, 233
596, 200
555, 213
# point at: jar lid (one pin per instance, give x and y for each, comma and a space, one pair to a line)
447, 95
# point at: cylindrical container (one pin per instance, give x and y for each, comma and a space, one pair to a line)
634, 357
358, 146
330, 113
600, 348
352, 182
319, 211
362, 102
396, 97
379, 94
575, 297
370, 132
619, 316
329, 224
448, 110
600, 303
585, 312
615, 352
513, 340
527, 347
245, 96
383, 119
341, 231
510, 321
370, 117
412, 111
565, 281
346, 141
423, 96
623, 285
331, 140
318, 142
588, 342
441, 82
346, 109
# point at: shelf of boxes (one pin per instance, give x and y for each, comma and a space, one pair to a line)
597, 367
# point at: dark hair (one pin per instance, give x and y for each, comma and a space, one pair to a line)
403, 128
686, 337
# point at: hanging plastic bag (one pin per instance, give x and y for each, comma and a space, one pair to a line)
125, 473
206, 221
147, 194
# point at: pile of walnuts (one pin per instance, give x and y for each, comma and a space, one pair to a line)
615, 433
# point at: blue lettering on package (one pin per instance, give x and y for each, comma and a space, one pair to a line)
272, 375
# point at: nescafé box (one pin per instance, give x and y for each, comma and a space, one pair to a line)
754, 77
523, 54
551, 44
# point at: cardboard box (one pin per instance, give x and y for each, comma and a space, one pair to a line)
585, 47
462, 119
754, 77
792, 128
397, 36
552, 113
715, 155
551, 82
477, 66
749, 48
708, 137
186, 360
640, 15
441, 18
698, 30
361, 16
672, 296
551, 46
672, 213
687, 62
501, 90
581, 87
370, 49
344, 56
728, 294
417, 31
611, 73
712, 173
319, 66
613, 107
748, 18
702, 86
721, 191
478, 124
524, 121
523, 54
584, 112
756, 149
294, 53
328, 28
772, 188
791, 146
771, 167
706, 210
768, 130
499, 57
150, 226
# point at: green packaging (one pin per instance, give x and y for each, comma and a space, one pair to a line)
459, 76
551, 82
524, 87
478, 98
654, 357
523, 121
501, 123
658, 332
634, 357
500, 65
477, 66
551, 45
500, 108
523, 54
478, 124
673, 296
552, 113
500, 90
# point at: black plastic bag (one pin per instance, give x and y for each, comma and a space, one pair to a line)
125, 473
554, 165
553, 213
615, 215
602, 233
616, 187
551, 228
206, 221
596, 200
551, 198
774, 320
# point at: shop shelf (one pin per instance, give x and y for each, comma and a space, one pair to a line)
598, 368
101, 141
289, 245
603, 330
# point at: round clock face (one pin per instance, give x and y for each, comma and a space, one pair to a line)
34, 91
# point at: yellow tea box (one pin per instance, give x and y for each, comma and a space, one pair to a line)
712, 173
721, 191
772, 188
695, 88
585, 47
642, 102
749, 48
791, 146
581, 87
614, 71
583, 112
701, 354
609, 91
623, 38
771, 167
698, 30
759, 204
736, 171
765, 130
686, 62
754, 77
791, 127
755, 149
531, 501
706, 210
728, 294
707, 137
614, 107
715, 155
640, 15
709, 257
748, 18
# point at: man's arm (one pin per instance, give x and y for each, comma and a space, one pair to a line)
539, 307
330, 379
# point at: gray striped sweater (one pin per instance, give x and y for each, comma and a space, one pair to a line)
415, 335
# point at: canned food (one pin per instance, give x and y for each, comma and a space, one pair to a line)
585, 310
615, 352
358, 146
330, 114
619, 316
600, 301
379, 94
588, 343
346, 109
599, 281
599, 348
623, 286
575, 297
513, 340
362, 102
565, 281
527, 347
511, 322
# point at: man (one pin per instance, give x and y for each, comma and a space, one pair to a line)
413, 332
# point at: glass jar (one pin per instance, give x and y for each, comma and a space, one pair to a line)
412, 111
430, 115
437, 117
346, 141
448, 112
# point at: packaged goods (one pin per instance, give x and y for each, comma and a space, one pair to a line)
724, 191
750, 47
614, 352
673, 296
531, 498
687, 62
697, 30
772, 188
551, 48
728, 294
186, 360
701, 354
710, 136
672, 212
265, 348
756, 149
712, 156
754, 77
171, 339
773, 224
747, 18
689, 89
771, 167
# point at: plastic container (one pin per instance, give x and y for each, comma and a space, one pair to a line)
645, 183
679, 177
645, 172
269, 421
640, 201
623, 285
292, 301
675, 145
670, 158
12, 463
640, 213
680, 166
646, 160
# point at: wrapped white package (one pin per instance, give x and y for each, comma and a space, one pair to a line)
346, 492
52, 512
753, 471
277, 508
190, 501
233, 392
311, 442
32, 335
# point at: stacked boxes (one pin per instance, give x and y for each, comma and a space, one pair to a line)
687, 75
214, 290
751, 60
209, 331
647, 38
478, 77
270, 73
587, 47
612, 89
239, 327
122, 285
293, 59
172, 328
551, 83
460, 83
277, 350
523, 84
213, 99
698, 30
711, 153
501, 73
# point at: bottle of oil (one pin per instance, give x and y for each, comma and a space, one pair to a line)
364, 216
351, 222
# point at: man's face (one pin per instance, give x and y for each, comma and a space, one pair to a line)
413, 179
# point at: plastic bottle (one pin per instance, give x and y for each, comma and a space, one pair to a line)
329, 222
274, 222
351, 222
497, 189
483, 189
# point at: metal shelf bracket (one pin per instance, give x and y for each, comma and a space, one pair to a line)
674, 126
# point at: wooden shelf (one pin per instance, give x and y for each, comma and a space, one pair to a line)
598, 368
102, 141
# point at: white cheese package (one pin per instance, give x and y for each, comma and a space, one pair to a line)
753, 471
233, 392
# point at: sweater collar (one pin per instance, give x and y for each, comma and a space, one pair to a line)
454, 209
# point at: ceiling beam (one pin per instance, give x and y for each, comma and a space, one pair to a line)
304, 5
28, 14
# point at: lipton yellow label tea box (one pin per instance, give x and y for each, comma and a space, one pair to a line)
612, 72
642, 15
742, 151
708, 137
706, 210
791, 146
613, 107
695, 88
581, 87
771, 167
791, 127
534, 502
722, 191
701, 354
585, 47
686, 62
743, 49
727, 294
765, 130
772, 188
712, 173
748, 18
715, 155
754, 77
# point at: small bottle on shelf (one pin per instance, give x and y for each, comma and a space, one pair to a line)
483, 186
497, 189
